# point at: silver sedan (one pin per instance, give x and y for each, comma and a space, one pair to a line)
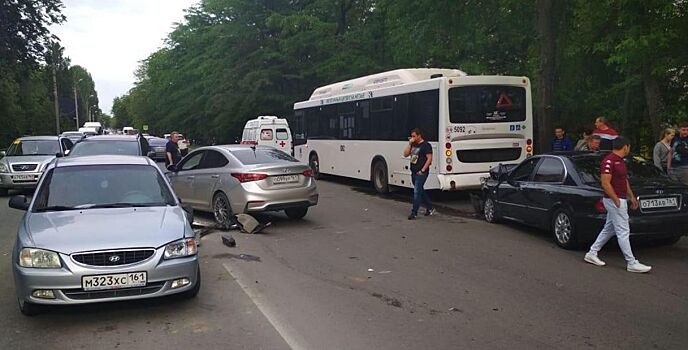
233, 179
102, 228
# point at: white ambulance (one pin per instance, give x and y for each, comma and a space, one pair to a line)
268, 131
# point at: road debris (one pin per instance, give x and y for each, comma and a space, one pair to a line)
228, 241
248, 224
371, 270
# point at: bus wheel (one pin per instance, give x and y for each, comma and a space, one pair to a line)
380, 177
314, 163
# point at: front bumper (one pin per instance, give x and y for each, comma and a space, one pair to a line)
10, 180
250, 198
66, 281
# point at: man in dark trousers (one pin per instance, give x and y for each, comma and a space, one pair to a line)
617, 195
421, 159
173, 156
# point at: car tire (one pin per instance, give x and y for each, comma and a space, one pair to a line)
193, 292
222, 211
490, 211
564, 230
296, 213
29, 309
4, 192
380, 177
314, 164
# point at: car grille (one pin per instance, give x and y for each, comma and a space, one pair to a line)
24, 167
113, 258
489, 155
80, 294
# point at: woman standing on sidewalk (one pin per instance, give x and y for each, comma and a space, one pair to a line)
661, 155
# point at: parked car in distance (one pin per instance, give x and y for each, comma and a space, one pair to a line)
232, 179
562, 193
88, 131
268, 131
74, 136
158, 146
103, 228
26, 159
95, 126
112, 145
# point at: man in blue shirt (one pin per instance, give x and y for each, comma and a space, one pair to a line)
561, 142
679, 163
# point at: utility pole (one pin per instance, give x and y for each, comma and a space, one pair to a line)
57, 104
76, 108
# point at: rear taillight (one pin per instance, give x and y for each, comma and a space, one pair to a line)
308, 173
248, 177
599, 206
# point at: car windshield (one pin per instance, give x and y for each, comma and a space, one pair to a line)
112, 147
589, 169
34, 148
102, 186
250, 156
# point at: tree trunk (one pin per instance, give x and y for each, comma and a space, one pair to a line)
655, 105
57, 103
544, 105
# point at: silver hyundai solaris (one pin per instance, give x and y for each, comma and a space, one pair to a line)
233, 179
102, 228
26, 159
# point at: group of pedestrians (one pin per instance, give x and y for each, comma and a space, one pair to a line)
593, 140
671, 153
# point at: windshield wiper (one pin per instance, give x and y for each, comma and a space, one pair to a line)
55, 208
121, 205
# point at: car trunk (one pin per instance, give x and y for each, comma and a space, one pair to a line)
282, 176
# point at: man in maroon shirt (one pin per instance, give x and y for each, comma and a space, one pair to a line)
616, 191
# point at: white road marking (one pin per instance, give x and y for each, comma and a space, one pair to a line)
279, 327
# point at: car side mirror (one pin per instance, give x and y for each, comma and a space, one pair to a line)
189, 212
151, 154
59, 155
172, 168
19, 202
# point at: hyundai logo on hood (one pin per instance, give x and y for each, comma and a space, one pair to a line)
114, 258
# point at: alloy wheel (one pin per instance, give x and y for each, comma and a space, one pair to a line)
489, 210
221, 209
563, 228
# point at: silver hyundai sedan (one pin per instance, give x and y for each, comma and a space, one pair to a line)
102, 228
233, 179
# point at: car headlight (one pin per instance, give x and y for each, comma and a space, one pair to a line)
39, 258
181, 248
3, 168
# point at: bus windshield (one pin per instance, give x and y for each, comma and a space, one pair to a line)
487, 104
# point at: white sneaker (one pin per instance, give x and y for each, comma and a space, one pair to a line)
637, 267
593, 259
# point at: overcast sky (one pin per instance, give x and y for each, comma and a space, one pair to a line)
110, 37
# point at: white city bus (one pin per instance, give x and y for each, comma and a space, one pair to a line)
359, 128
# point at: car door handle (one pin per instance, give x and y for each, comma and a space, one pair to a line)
190, 177
215, 176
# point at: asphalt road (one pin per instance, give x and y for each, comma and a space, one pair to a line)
355, 274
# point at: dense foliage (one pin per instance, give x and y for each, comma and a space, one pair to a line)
28, 54
231, 60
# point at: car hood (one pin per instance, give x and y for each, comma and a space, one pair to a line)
101, 229
27, 159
